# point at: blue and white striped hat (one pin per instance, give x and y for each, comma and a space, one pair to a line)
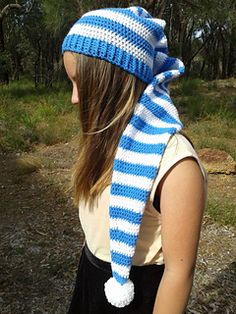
134, 41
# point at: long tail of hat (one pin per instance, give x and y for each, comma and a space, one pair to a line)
136, 165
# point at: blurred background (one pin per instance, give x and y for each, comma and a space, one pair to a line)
201, 33
39, 228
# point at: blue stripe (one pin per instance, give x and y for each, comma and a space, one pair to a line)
135, 146
119, 278
92, 47
169, 62
140, 11
181, 69
163, 95
121, 213
140, 124
126, 33
164, 87
167, 76
163, 50
151, 26
123, 237
129, 191
130, 168
120, 259
157, 110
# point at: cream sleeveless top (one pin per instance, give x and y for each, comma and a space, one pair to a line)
95, 221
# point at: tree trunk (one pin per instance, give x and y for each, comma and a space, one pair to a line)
50, 64
231, 67
224, 58
37, 67
3, 12
202, 68
2, 44
17, 67
4, 75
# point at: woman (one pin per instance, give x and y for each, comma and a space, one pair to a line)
138, 182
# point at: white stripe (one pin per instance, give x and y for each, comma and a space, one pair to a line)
124, 226
161, 77
132, 180
164, 88
174, 73
169, 107
165, 104
112, 38
128, 203
160, 22
145, 14
161, 44
134, 10
121, 270
175, 67
121, 248
151, 119
128, 22
159, 60
142, 137
138, 158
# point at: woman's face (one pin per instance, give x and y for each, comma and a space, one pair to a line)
70, 66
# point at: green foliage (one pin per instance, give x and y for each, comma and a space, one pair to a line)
212, 85
26, 118
209, 114
222, 212
214, 132
63, 12
190, 87
197, 99
88, 5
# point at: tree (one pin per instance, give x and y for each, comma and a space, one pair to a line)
3, 12
4, 75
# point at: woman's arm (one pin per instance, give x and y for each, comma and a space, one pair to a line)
182, 199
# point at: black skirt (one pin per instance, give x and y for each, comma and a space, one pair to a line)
89, 297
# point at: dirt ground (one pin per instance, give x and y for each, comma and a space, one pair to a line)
41, 240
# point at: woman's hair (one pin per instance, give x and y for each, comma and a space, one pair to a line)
107, 98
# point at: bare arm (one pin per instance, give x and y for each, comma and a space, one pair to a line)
182, 198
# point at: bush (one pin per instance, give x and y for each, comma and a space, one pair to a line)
190, 87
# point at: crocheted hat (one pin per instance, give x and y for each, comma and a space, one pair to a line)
134, 41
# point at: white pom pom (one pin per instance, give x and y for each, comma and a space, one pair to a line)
117, 294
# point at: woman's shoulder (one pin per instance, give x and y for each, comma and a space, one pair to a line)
177, 145
177, 148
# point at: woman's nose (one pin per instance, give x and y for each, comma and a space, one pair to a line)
74, 97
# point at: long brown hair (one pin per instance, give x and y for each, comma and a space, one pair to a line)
107, 98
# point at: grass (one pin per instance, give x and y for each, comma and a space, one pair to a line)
208, 111
222, 212
201, 102
214, 131
30, 116
28, 164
